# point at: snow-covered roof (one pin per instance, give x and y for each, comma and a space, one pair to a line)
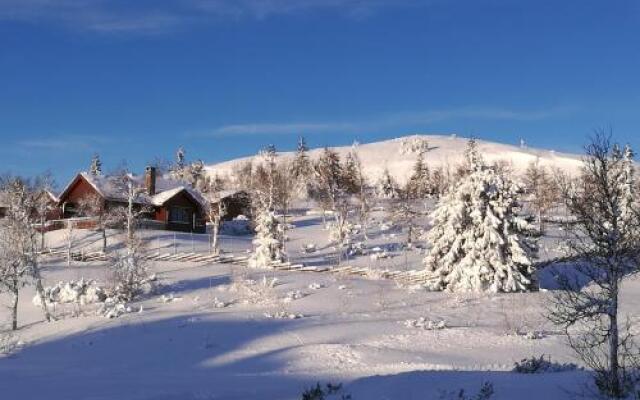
113, 188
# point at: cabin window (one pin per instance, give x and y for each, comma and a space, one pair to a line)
180, 215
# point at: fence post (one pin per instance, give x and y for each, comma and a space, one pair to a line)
175, 248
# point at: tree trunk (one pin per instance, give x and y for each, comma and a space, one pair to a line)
14, 308
614, 376
104, 240
40, 290
42, 233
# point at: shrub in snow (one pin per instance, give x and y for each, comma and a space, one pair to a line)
479, 243
540, 365
309, 248
357, 249
219, 303
427, 324
315, 286
293, 295
80, 292
8, 344
325, 392
282, 315
113, 308
130, 276
169, 298
485, 393
268, 246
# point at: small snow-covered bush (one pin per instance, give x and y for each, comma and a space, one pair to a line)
282, 315
485, 393
80, 292
426, 324
315, 286
8, 344
540, 365
112, 308
309, 248
293, 295
325, 392
219, 303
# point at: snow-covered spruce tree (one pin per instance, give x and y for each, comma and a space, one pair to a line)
387, 188
268, 244
301, 169
478, 241
178, 169
95, 168
419, 185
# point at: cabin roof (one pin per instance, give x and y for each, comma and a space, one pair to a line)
112, 188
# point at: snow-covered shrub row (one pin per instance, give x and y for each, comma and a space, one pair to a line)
113, 308
282, 315
540, 365
80, 292
426, 324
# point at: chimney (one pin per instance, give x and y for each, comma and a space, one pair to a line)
150, 180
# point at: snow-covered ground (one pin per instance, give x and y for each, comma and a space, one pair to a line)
223, 331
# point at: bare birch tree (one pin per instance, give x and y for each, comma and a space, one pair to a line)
605, 242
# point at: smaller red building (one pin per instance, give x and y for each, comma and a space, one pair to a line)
173, 205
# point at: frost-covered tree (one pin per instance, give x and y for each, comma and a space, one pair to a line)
44, 203
604, 242
197, 175
19, 253
301, 169
542, 190
94, 206
478, 241
358, 186
268, 244
387, 187
328, 189
419, 185
179, 168
96, 165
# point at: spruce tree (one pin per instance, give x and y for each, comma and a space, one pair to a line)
387, 187
96, 165
418, 186
268, 243
478, 241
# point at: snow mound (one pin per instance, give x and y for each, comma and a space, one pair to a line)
80, 292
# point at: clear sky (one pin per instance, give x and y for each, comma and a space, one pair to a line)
225, 77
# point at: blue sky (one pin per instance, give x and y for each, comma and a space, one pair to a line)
225, 77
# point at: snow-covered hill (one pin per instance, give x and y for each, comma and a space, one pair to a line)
398, 155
